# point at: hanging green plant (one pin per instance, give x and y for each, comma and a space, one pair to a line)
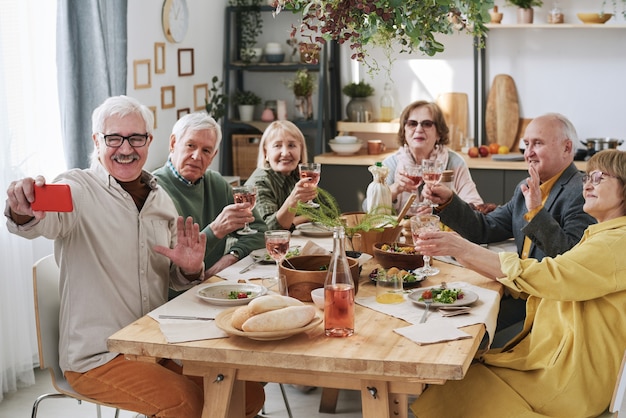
410, 24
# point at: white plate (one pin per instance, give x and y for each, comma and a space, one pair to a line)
262, 256
311, 229
469, 297
217, 293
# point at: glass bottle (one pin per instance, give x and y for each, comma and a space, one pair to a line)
339, 291
387, 104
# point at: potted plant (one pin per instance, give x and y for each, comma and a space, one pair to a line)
359, 108
246, 101
525, 9
303, 86
374, 226
411, 25
215, 105
249, 26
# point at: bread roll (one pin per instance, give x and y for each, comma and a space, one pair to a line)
240, 315
271, 302
287, 318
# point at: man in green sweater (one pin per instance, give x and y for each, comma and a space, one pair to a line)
205, 195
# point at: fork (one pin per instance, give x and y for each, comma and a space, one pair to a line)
427, 302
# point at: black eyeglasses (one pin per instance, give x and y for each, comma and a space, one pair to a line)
134, 140
595, 176
412, 124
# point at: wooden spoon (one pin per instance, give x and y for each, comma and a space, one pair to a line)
406, 207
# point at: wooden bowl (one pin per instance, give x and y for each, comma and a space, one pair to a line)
597, 18
307, 274
369, 238
388, 259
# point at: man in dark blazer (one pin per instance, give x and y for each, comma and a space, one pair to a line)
545, 215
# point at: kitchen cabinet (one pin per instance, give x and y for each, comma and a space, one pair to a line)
237, 75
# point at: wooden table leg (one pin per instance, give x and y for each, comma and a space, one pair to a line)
224, 396
399, 405
328, 402
375, 400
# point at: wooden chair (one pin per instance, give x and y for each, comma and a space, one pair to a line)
47, 303
618, 402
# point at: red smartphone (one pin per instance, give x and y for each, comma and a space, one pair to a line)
53, 198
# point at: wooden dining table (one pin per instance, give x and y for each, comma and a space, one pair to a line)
384, 366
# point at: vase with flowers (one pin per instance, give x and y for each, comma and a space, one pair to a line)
303, 86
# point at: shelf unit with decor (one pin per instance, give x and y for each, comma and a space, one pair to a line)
235, 73
480, 61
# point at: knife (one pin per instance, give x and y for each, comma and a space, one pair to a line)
197, 318
249, 266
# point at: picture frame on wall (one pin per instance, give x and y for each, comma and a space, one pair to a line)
168, 97
182, 112
153, 109
141, 74
200, 94
159, 57
185, 62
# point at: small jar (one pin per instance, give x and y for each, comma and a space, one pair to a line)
555, 15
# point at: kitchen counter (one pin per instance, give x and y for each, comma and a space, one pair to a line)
364, 159
346, 176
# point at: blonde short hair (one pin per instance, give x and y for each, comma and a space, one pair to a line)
610, 161
279, 128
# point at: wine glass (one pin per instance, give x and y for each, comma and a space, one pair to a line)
243, 194
431, 174
312, 171
419, 225
277, 246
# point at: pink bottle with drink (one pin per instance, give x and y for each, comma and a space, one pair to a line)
339, 291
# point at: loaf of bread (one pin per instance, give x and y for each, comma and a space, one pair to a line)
271, 302
240, 315
290, 317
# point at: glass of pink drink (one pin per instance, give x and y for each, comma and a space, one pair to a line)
311, 171
243, 194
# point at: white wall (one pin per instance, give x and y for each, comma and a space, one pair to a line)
578, 72
205, 36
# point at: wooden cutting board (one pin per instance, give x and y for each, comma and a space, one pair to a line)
502, 113
455, 108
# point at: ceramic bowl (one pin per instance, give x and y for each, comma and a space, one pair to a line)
318, 297
345, 149
345, 139
594, 17
307, 272
274, 58
388, 259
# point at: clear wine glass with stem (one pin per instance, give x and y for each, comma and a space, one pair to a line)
312, 171
243, 194
415, 175
419, 225
431, 174
277, 246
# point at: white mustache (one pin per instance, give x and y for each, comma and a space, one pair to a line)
125, 159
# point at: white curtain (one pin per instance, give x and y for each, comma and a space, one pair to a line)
30, 141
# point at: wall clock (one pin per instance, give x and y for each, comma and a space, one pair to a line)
175, 20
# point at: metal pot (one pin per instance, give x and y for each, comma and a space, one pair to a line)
598, 144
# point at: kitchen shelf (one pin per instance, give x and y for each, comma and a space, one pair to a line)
369, 127
556, 26
237, 77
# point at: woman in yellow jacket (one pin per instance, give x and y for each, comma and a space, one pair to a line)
565, 361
